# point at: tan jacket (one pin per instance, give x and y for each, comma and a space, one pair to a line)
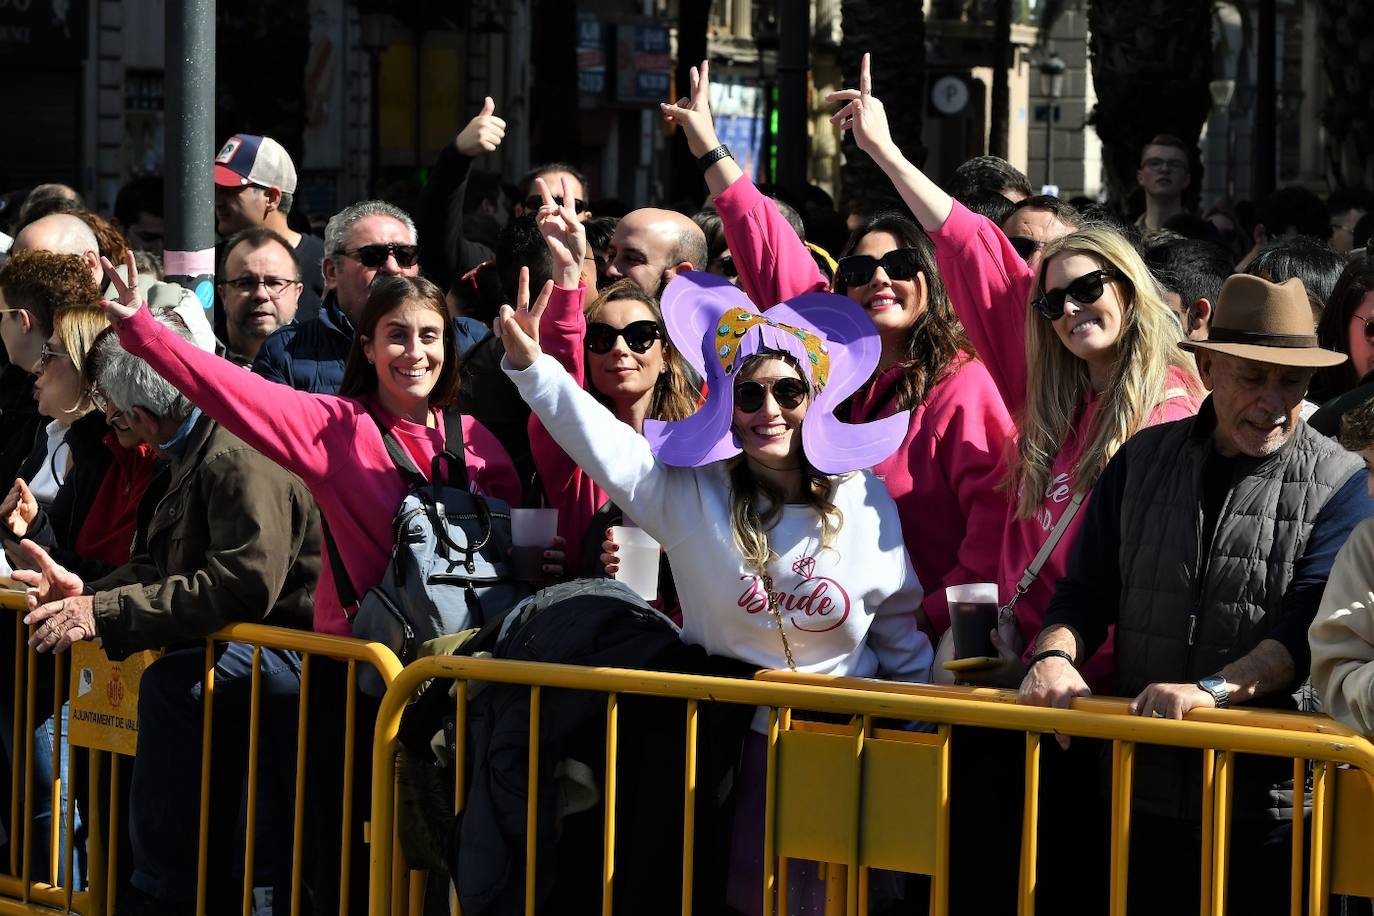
1342, 635
235, 538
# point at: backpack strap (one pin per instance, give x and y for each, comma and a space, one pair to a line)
343, 585
455, 451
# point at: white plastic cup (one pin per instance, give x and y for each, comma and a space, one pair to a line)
532, 533
639, 557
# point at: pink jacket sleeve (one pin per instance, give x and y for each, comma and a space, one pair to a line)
773, 263
974, 436
989, 285
562, 332
304, 433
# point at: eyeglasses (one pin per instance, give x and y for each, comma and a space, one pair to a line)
788, 392
726, 263
47, 355
102, 401
1084, 290
534, 202
1165, 165
1025, 247
1368, 327
246, 286
639, 336
858, 269
375, 255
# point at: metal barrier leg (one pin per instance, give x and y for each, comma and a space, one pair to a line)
532, 804
689, 808
939, 882
350, 739
207, 733
1123, 758
608, 854
298, 823
97, 869
1221, 833
771, 864
1030, 820
1295, 875
250, 830
1209, 765
1323, 800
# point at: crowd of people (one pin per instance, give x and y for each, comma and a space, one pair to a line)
1153, 436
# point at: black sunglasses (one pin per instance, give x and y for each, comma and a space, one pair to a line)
534, 202
376, 255
1025, 247
639, 336
1084, 290
726, 263
858, 269
788, 392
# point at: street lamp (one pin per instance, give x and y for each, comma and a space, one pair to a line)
1051, 87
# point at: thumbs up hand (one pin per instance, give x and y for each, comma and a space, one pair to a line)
483, 133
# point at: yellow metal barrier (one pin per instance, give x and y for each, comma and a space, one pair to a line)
23, 890
883, 799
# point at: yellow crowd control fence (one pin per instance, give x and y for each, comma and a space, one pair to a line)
46, 867
849, 792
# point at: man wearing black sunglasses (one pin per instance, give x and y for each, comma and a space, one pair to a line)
1037, 221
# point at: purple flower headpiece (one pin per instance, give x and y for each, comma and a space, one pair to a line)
715, 327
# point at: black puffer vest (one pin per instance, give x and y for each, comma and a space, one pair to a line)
1187, 608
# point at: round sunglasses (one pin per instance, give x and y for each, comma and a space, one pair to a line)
788, 392
858, 269
639, 336
1025, 247
1084, 290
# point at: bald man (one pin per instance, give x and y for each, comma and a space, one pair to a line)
653, 246
62, 233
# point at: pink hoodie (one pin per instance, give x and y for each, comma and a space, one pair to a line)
945, 477
329, 442
990, 287
562, 330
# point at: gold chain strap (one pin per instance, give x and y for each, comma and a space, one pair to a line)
777, 615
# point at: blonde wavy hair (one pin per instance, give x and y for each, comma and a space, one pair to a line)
1057, 380
756, 505
78, 326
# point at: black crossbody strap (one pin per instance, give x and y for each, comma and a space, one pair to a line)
343, 585
456, 449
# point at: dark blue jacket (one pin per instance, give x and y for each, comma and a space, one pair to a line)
310, 356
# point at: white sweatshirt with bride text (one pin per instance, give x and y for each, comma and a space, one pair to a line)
848, 609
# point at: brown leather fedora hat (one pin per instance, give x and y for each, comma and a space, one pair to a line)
1266, 322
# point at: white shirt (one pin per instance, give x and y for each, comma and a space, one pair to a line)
53, 470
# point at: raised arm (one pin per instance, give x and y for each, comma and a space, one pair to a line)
773, 263
302, 432
608, 451
562, 326
988, 282
442, 244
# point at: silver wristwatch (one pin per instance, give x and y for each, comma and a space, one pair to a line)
1215, 684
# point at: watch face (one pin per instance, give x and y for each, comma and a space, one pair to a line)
1214, 682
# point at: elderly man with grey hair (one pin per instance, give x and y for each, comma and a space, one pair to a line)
233, 538
361, 242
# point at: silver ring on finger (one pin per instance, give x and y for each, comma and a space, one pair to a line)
1155, 713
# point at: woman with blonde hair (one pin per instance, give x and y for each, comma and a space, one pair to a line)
1083, 352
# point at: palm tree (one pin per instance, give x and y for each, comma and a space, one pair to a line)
895, 33
1151, 63
1346, 31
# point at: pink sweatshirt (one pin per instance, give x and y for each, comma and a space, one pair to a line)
945, 476
329, 442
990, 285
562, 332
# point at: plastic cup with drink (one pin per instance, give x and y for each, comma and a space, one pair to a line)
532, 533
